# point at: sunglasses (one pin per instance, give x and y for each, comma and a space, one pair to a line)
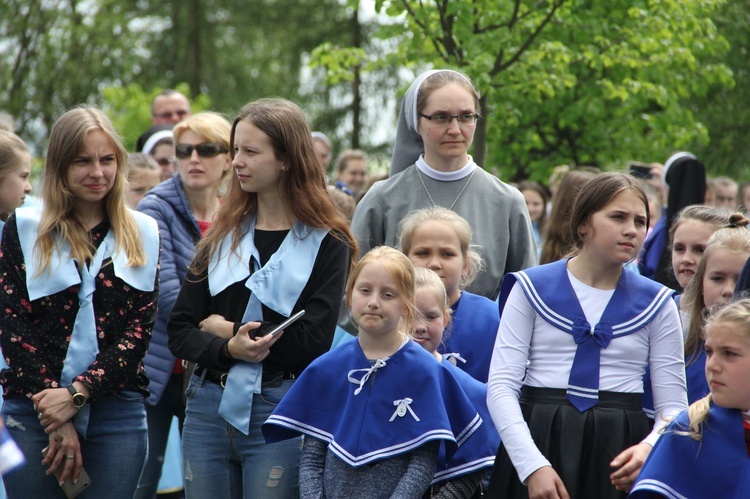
205, 150
165, 161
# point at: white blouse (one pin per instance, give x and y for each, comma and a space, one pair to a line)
529, 351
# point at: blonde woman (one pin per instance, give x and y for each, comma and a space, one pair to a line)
185, 207
80, 277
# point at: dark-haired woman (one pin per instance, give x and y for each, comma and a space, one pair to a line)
278, 246
575, 338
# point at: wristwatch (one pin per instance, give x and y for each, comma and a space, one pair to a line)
78, 399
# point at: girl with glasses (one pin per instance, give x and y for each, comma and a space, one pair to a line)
278, 246
431, 167
185, 206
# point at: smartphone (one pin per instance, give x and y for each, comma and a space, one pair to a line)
71, 489
639, 170
274, 330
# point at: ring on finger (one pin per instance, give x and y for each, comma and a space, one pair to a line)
70, 457
39, 416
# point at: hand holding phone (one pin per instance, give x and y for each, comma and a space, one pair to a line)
71, 489
640, 170
273, 329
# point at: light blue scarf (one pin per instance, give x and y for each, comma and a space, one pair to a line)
277, 285
62, 273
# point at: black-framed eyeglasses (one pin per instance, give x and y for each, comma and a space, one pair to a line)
465, 119
205, 150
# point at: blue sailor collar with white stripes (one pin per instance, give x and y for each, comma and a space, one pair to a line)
635, 303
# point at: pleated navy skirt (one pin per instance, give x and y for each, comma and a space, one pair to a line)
579, 445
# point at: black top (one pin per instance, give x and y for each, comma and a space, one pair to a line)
35, 335
302, 342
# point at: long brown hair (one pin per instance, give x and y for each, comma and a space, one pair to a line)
58, 213
557, 242
302, 186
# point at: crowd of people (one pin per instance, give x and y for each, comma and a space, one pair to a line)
452, 335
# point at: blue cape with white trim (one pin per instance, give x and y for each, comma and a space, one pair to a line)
404, 404
679, 467
480, 449
472, 334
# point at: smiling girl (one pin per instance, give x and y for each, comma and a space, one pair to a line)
80, 276
705, 451
575, 338
715, 278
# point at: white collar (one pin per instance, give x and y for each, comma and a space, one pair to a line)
463, 172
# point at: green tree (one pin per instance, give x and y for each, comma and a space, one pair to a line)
57, 54
725, 111
107, 52
564, 81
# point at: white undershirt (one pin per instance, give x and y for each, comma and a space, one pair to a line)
544, 359
462, 172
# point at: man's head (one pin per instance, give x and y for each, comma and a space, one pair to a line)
169, 107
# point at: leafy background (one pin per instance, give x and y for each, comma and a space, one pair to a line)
562, 81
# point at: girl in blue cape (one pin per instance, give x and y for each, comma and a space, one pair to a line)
688, 238
374, 411
460, 476
713, 285
705, 452
278, 246
440, 240
574, 341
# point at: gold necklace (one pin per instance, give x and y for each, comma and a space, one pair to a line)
419, 173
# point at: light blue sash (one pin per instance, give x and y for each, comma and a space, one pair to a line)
62, 273
277, 285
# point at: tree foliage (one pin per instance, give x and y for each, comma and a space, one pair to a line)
725, 111
57, 54
567, 81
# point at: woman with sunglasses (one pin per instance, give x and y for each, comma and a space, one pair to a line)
185, 207
278, 246
431, 167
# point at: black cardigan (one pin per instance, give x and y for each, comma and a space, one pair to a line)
302, 342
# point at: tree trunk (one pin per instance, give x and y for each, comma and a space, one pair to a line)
479, 151
356, 83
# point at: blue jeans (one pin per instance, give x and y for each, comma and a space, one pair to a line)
220, 461
114, 450
159, 419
